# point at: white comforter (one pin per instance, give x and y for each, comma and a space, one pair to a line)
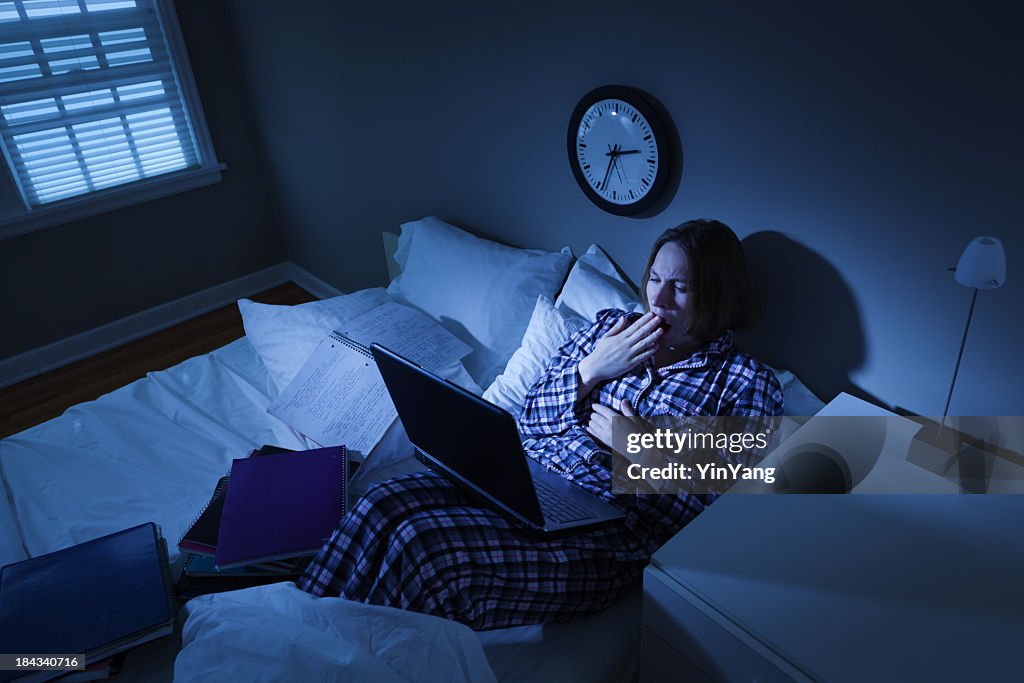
279, 633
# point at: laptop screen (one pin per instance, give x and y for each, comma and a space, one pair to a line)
469, 438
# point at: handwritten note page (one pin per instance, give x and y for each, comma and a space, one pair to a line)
408, 333
338, 397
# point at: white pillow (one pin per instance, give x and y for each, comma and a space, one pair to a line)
798, 400
285, 336
594, 284
481, 291
549, 328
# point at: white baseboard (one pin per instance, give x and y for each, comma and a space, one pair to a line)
311, 283
105, 337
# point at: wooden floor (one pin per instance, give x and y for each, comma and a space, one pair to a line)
46, 396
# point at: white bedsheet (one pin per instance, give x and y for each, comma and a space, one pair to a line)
153, 451
150, 451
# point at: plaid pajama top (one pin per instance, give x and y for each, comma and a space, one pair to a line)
716, 380
418, 542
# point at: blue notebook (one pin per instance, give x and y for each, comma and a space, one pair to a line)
96, 599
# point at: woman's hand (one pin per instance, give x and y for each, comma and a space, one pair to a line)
621, 349
602, 420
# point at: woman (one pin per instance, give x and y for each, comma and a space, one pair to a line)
417, 542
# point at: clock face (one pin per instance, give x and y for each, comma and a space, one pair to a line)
617, 150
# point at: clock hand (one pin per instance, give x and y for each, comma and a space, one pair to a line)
619, 153
604, 183
613, 152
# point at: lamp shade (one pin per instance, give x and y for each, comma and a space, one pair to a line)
983, 264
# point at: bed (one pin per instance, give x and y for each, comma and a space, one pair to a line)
154, 449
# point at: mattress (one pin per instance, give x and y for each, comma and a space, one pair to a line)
153, 451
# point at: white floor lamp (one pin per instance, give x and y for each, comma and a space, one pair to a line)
981, 266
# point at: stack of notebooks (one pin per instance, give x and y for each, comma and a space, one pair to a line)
265, 520
96, 599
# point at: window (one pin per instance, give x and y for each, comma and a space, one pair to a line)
97, 109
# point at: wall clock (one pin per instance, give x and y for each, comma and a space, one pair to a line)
618, 150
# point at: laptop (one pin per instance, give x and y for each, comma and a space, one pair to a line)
475, 444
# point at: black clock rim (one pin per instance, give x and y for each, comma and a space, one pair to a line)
636, 99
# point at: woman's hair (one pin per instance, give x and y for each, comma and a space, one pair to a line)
720, 295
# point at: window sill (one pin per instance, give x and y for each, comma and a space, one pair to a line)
103, 201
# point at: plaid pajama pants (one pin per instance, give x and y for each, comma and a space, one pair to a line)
417, 542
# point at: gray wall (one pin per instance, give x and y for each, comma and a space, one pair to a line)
67, 279
857, 150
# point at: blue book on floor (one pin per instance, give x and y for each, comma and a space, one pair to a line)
96, 599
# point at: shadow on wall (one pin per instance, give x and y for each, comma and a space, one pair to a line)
810, 322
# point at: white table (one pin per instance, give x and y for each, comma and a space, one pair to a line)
897, 587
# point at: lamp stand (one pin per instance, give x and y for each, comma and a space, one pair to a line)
939, 450
982, 265
959, 357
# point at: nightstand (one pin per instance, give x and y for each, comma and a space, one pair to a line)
898, 587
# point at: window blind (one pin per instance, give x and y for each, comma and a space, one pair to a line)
89, 97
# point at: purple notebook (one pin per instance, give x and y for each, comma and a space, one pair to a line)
281, 506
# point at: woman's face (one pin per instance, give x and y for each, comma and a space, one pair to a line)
666, 292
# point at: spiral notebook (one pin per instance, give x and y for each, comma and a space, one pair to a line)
338, 396
281, 506
201, 537
96, 598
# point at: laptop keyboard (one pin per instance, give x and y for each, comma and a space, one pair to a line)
556, 509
